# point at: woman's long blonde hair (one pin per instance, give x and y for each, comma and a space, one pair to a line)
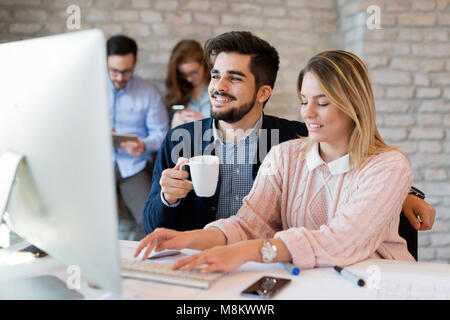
345, 82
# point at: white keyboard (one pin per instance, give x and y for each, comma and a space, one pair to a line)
162, 272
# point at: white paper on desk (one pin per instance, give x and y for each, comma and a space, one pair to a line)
418, 287
152, 290
406, 280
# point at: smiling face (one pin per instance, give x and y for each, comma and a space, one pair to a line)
232, 87
326, 123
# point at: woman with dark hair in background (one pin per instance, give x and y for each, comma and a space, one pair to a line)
187, 83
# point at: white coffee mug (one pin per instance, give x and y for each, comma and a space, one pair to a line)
204, 174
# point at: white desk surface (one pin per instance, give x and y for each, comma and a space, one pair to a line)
396, 280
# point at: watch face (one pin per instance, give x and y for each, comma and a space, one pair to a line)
269, 252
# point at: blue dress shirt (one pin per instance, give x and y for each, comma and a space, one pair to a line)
137, 109
236, 169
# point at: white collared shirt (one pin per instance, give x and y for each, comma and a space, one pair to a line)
338, 166
328, 179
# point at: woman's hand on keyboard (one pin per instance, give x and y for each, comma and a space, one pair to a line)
221, 258
162, 239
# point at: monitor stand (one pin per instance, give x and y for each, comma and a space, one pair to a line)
13, 170
9, 164
16, 181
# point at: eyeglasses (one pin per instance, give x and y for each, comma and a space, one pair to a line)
124, 73
192, 74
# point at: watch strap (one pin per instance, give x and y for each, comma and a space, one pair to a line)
416, 192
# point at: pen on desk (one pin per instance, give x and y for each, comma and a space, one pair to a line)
291, 268
350, 276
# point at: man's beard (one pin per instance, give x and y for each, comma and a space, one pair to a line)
235, 114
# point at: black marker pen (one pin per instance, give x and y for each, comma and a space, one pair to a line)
350, 276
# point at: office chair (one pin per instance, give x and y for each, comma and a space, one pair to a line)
407, 232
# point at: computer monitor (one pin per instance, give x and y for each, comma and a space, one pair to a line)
54, 112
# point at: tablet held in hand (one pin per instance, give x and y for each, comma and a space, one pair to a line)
121, 137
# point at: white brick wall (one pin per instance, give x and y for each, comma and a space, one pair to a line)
409, 61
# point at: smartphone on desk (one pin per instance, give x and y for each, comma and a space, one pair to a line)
266, 287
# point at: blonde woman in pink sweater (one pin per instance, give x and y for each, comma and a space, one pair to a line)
333, 198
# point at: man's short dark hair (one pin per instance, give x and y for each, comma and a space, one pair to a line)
121, 45
264, 61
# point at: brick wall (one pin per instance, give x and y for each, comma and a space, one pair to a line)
409, 61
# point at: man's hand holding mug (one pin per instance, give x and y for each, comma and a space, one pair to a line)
204, 173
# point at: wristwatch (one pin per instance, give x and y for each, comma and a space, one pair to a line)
268, 251
417, 192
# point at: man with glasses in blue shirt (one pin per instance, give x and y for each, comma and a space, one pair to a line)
136, 108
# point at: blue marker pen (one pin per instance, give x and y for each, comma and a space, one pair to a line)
291, 268
350, 276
